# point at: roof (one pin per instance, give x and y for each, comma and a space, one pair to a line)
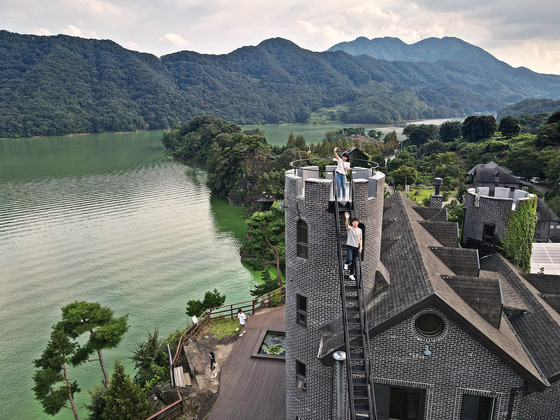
421, 277
447, 233
493, 173
539, 327
544, 213
250, 384
548, 287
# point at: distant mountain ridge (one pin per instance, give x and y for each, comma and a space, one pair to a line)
51, 85
430, 50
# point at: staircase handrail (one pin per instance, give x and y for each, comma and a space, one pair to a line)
343, 297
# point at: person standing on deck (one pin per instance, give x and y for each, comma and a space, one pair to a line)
353, 244
341, 171
242, 317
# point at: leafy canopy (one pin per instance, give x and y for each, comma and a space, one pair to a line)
211, 300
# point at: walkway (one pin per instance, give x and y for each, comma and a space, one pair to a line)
253, 387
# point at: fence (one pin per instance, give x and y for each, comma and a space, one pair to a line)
175, 410
171, 411
227, 310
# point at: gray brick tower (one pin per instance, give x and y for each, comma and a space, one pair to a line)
313, 293
487, 214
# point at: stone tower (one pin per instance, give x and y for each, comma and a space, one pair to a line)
487, 214
313, 291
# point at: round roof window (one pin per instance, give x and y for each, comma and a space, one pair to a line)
429, 325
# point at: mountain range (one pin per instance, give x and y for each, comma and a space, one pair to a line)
52, 85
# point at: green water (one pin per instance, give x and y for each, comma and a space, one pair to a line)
277, 134
106, 218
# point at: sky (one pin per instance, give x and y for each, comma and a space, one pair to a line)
519, 32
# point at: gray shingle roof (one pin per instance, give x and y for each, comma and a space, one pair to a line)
447, 233
417, 280
493, 173
483, 294
463, 261
539, 327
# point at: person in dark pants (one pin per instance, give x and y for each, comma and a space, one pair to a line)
242, 318
353, 244
212, 364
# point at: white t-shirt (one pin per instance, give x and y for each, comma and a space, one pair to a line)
354, 236
343, 167
241, 316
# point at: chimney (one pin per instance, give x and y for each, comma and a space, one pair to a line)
436, 200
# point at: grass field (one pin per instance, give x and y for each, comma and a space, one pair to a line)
419, 194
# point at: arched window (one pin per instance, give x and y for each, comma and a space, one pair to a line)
301, 239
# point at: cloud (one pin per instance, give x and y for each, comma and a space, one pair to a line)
41, 31
520, 33
175, 40
97, 8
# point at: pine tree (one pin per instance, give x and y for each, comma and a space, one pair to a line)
53, 388
105, 331
124, 398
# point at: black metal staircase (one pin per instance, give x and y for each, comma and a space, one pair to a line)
356, 334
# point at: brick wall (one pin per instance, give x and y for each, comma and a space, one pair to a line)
491, 211
458, 364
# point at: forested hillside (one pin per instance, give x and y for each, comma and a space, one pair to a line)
52, 85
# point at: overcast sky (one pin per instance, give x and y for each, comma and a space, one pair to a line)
519, 32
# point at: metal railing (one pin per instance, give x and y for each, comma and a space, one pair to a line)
227, 311
170, 412
322, 162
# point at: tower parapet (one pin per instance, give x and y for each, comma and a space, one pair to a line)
313, 290
487, 214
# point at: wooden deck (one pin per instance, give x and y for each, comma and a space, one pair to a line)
251, 387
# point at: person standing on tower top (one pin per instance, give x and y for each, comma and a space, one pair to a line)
341, 171
353, 244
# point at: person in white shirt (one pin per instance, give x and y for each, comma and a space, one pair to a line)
241, 316
353, 244
343, 166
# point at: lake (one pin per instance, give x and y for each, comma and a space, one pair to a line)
277, 134
111, 219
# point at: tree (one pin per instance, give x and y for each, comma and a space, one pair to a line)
264, 242
105, 331
53, 387
150, 359
554, 118
300, 142
420, 134
479, 127
98, 402
450, 130
509, 126
405, 175
124, 399
268, 285
212, 299
291, 140
549, 135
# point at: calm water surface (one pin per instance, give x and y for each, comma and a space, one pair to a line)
104, 218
